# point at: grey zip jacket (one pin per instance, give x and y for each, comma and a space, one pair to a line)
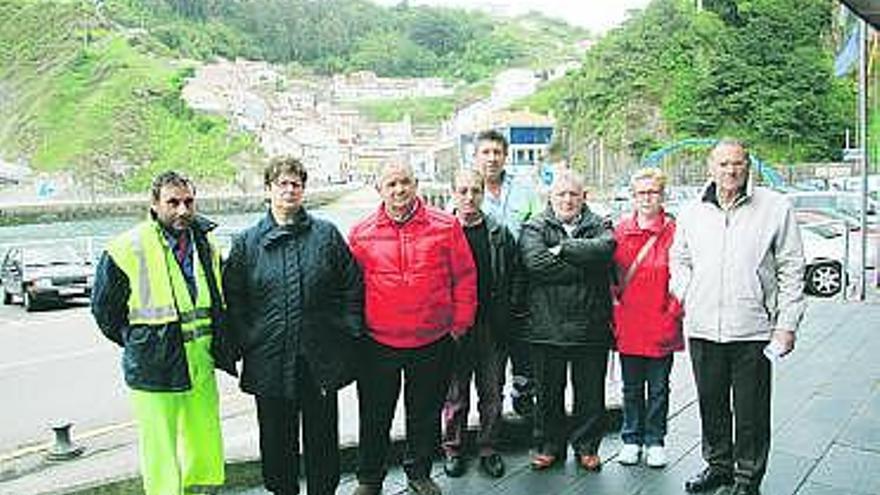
738, 273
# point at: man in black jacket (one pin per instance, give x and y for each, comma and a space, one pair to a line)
295, 298
480, 353
567, 253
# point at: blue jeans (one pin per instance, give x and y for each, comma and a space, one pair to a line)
644, 417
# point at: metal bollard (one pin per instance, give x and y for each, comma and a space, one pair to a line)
64, 450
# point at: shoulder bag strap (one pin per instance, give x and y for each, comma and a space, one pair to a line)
631, 271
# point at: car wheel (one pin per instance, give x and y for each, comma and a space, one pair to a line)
825, 279
7, 297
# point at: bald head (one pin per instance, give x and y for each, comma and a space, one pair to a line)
396, 168
397, 186
567, 178
567, 195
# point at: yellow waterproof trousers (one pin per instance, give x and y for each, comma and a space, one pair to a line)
181, 447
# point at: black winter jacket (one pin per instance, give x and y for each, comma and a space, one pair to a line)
568, 295
504, 261
293, 292
153, 357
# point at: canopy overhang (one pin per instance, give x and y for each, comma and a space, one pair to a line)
869, 10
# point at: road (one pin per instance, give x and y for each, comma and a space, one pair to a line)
56, 365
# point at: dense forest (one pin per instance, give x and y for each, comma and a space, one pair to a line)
335, 36
757, 69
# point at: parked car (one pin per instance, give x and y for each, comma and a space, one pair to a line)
38, 274
841, 205
823, 251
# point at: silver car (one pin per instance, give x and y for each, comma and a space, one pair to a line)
39, 274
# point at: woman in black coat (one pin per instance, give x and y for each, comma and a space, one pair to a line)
295, 306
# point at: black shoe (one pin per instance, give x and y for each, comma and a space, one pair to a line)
741, 488
524, 405
707, 479
424, 486
367, 489
492, 465
454, 466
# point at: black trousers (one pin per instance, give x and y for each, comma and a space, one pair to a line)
426, 371
279, 438
478, 359
523, 376
740, 368
588, 366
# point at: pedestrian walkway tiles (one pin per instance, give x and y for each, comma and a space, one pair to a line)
826, 424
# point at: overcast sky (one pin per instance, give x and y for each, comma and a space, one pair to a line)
595, 15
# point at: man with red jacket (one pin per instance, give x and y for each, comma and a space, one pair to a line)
420, 293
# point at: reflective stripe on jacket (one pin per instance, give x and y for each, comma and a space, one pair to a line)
159, 294
141, 302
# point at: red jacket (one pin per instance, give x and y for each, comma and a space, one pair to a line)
419, 277
647, 319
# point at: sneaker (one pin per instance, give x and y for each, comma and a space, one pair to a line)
424, 486
655, 456
629, 454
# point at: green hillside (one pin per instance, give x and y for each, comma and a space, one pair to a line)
333, 36
84, 97
760, 70
93, 88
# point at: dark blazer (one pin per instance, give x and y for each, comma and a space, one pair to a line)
293, 292
504, 258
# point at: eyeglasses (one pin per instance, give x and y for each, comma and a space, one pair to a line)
463, 191
288, 184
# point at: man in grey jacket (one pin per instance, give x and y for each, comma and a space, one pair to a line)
737, 267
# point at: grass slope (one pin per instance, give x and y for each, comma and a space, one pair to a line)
83, 97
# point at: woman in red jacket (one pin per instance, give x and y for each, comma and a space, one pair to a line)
647, 325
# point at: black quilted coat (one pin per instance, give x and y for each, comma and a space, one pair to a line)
293, 292
568, 294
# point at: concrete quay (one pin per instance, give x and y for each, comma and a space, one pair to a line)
135, 205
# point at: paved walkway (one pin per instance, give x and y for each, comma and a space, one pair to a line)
826, 424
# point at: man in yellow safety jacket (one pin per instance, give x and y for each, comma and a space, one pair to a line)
157, 295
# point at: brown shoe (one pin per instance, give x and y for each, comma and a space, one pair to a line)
540, 461
590, 462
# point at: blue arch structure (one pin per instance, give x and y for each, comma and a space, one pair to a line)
770, 175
